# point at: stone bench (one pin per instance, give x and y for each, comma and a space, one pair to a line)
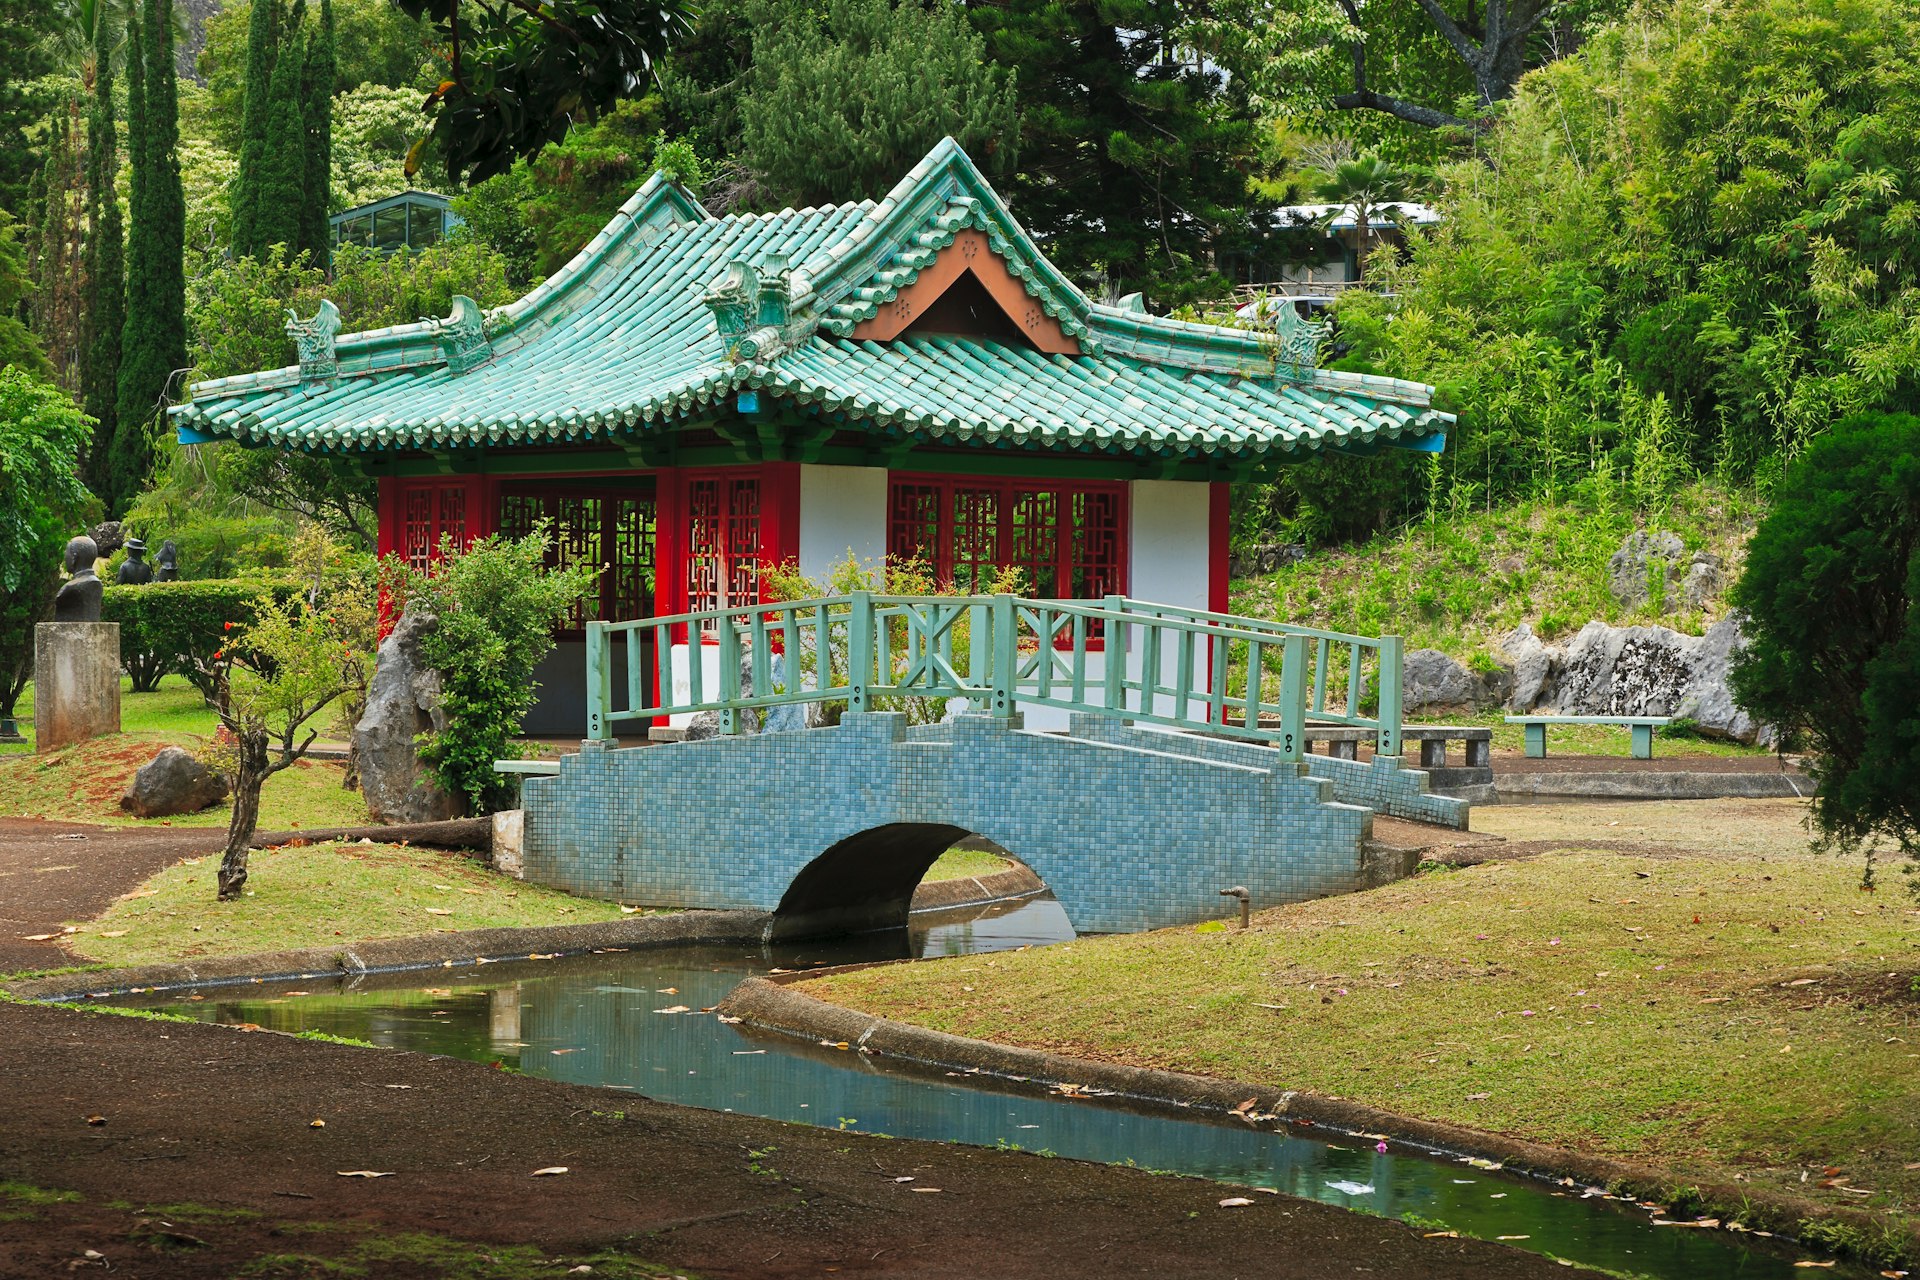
1642, 726
1343, 742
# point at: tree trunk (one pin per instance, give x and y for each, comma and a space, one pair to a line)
250, 773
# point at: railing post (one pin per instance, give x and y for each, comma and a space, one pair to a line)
1293, 697
1006, 656
1388, 743
729, 677
599, 683
1114, 646
859, 650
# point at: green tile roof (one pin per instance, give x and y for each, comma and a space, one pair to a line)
634, 336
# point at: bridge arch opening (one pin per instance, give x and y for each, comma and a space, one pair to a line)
867, 882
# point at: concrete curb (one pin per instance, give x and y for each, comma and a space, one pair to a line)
1014, 883
391, 955
777, 1007
1650, 785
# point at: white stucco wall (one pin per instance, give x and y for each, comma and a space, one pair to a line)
842, 509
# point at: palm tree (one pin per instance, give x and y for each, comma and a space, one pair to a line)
1365, 184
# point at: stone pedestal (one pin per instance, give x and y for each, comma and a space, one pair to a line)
76, 682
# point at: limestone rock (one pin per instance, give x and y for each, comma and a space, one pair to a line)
1703, 579
1708, 701
806, 715
1430, 679
1532, 667
403, 701
1624, 671
173, 782
1641, 558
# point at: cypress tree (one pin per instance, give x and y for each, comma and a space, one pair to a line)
154, 338
263, 46
58, 263
322, 71
106, 285
282, 174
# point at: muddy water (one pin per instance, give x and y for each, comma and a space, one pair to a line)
632, 1021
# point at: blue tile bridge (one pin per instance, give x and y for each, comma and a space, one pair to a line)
1180, 774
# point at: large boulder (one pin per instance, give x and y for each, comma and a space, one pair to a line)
1623, 671
1532, 667
1430, 680
1707, 700
403, 702
173, 782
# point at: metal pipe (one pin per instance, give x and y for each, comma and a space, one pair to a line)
1246, 902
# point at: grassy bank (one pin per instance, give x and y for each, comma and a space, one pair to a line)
1713, 1001
84, 783
317, 896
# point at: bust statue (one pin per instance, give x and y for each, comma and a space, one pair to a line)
134, 570
166, 564
79, 598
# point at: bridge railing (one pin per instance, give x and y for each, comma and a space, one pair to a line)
1129, 659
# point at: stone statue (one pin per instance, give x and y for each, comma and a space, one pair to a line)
134, 570
79, 598
166, 565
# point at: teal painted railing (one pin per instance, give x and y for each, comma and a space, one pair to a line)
1187, 668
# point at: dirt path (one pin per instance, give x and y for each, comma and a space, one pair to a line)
206, 1163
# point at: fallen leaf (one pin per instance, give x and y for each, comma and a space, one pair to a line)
1513, 1237
557, 1052
1441, 1235
833, 1044
629, 911
438, 911
681, 1008
361, 1173
114, 933
1813, 1264
1235, 1202
96, 1121
316, 1124
926, 1190
550, 1171
728, 1019
39, 937
1245, 1107
1478, 1097
906, 1177
666, 991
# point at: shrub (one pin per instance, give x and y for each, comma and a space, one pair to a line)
174, 627
496, 604
1833, 653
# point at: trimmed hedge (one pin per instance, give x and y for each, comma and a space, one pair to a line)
164, 626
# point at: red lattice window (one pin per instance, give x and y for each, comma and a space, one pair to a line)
723, 541
429, 514
610, 529
1066, 538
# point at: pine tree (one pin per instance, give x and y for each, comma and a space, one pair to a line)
282, 174
58, 263
106, 284
154, 338
1132, 154
322, 70
263, 46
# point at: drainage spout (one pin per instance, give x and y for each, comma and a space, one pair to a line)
1246, 903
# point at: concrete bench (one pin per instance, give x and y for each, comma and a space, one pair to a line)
1343, 742
528, 768
1642, 726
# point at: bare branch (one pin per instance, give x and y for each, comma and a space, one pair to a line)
1400, 108
1462, 43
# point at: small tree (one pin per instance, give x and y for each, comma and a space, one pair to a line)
270, 681
495, 606
1833, 639
41, 499
1366, 185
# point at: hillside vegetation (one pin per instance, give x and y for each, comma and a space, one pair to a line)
1458, 581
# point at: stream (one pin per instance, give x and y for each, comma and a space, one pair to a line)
611, 1019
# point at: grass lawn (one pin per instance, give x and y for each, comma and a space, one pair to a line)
958, 864
175, 710
316, 896
1737, 1011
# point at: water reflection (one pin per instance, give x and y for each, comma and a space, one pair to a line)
638, 1021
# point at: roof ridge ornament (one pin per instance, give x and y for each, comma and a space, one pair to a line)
463, 335
315, 341
753, 309
1297, 350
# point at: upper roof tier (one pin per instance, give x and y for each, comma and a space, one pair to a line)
672, 314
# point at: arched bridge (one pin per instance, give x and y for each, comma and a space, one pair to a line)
1179, 772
